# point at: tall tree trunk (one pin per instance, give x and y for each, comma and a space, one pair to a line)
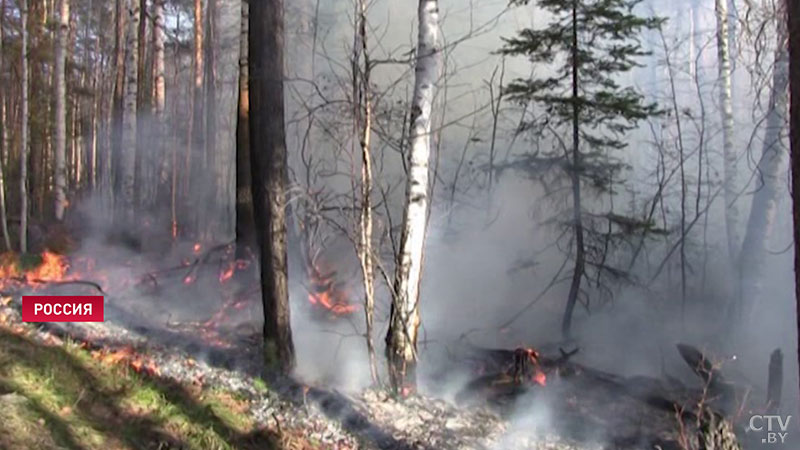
129, 117
794, 133
580, 256
269, 175
726, 111
245, 227
222, 157
144, 193
768, 185
117, 101
160, 102
205, 219
3, 135
401, 339
363, 116
61, 110
23, 151
196, 150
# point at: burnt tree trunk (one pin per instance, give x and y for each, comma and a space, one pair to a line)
269, 175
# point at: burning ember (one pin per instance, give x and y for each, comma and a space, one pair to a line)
527, 364
326, 293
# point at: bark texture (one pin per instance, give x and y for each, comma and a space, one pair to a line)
269, 175
23, 151
245, 227
61, 110
726, 111
129, 118
401, 339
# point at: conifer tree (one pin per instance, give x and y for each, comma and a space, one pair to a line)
583, 107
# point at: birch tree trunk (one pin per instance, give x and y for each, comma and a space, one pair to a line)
401, 339
23, 151
61, 110
269, 175
129, 119
769, 183
117, 102
227, 29
726, 111
3, 135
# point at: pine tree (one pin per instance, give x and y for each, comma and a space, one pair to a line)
585, 47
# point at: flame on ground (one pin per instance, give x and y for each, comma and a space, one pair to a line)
327, 293
127, 356
53, 267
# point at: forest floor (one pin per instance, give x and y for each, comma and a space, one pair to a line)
57, 396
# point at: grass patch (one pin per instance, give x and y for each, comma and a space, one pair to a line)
58, 397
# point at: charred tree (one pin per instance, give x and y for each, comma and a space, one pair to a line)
404, 321
268, 158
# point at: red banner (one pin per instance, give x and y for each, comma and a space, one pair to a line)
55, 308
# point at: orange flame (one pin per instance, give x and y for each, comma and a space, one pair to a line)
327, 293
52, 268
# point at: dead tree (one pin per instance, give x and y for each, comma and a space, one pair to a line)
268, 157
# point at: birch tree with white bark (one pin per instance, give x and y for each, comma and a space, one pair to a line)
401, 339
129, 115
61, 110
726, 111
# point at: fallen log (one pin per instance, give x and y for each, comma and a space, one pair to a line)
723, 395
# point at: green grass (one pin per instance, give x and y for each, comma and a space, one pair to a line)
59, 397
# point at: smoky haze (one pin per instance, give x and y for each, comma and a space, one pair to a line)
493, 249
498, 260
